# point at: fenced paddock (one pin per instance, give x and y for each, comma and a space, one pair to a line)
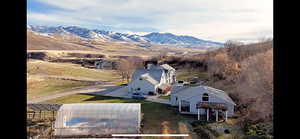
40, 119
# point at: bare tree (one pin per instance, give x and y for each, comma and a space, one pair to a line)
223, 67
255, 86
126, 66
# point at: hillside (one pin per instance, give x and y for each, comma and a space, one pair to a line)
69, 43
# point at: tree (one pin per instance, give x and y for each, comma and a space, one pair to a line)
255, 86
223, 67
126, 66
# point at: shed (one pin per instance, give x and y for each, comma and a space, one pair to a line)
101, 119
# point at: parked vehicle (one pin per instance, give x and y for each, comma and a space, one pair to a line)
186, 83
151, 94
137, 96
182, 83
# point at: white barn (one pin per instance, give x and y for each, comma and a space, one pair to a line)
202, 100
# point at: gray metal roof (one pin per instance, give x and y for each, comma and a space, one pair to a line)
167, 67
176, 89
194, 91
153, 73
147, 77
44, 107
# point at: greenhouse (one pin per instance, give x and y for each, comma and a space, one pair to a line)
98, 119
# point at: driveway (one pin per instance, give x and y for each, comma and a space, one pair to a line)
101, 90
123, 93
157, 100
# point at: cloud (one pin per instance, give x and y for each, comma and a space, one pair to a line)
215, 19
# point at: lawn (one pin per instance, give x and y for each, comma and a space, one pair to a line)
47, 86
158, 118
187, 75
164, 97
68, 69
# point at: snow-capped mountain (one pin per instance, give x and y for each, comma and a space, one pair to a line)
110, 36
181, 41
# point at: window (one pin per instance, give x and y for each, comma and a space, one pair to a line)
138, 89
205, 97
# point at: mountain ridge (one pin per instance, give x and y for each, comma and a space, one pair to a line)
172, 40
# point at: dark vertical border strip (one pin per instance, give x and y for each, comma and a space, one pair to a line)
286, 61
13, 48
275, 79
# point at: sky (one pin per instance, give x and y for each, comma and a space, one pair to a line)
217, 20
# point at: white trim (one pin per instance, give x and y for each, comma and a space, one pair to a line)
207, 114
198, 114
217, 114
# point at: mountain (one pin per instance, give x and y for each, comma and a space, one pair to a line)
167, 39
181, 41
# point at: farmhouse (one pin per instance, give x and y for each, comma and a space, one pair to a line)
152, 78
203, 100
146, 81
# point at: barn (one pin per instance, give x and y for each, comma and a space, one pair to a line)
203, 100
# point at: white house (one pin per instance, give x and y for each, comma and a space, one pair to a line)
202, 100
148, 80
170, 72
152, 78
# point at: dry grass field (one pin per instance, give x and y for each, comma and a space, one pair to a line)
40, 81
44, 87
38, 67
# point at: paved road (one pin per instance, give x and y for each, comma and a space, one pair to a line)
96, 89
158, 100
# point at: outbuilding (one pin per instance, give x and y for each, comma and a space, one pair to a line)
203, 100
97, 120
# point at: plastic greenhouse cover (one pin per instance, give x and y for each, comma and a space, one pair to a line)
98, 118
